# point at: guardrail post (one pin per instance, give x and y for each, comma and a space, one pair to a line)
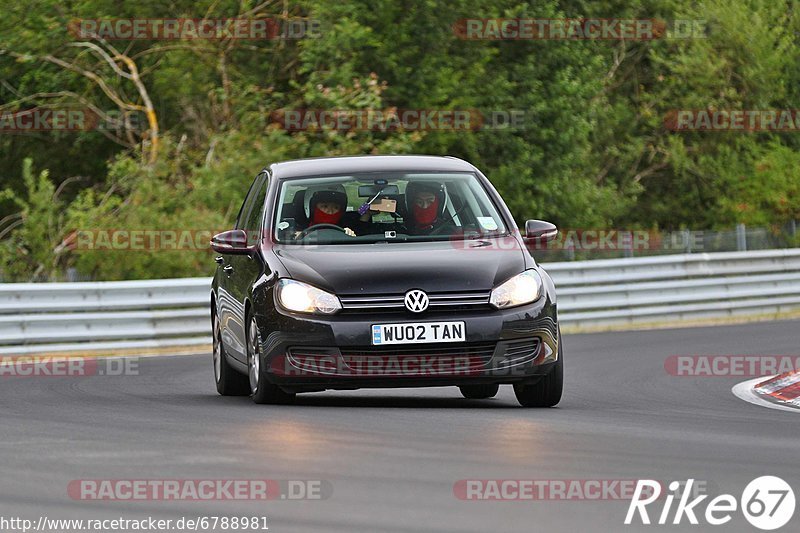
569, 245
627, 244
741, 238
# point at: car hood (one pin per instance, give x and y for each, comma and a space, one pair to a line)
390, 268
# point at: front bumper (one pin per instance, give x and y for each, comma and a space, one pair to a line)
309, 353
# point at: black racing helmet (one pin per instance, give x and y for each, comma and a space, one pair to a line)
335, 197
433, 187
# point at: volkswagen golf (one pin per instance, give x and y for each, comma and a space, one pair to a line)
382, 271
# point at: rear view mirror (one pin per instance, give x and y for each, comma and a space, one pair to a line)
368, 191
540, 230
230, 242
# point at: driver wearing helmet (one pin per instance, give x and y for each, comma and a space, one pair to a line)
328, 207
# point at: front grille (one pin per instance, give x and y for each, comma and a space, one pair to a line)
420, 360
440, 300
416, 360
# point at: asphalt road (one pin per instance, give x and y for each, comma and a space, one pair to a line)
392, 457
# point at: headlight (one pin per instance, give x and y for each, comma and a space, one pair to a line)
521, 289
303, 298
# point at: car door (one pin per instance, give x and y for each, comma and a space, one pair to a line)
230, 310
246, 268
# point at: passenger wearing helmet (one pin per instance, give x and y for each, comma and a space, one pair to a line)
425, 202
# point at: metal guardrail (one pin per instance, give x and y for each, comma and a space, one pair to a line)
104, 315
677, 288
54, 317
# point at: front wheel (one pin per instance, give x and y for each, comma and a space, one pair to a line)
547, 391
261, 390
479, 392
229, 382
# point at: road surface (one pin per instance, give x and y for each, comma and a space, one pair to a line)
392, 457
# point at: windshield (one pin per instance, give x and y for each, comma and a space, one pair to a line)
383, 207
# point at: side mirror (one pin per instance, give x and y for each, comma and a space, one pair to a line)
231, 242
540, 230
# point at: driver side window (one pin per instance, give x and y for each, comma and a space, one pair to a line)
251, 214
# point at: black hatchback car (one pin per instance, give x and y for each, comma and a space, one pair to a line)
382, 271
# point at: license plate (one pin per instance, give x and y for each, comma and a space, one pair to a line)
418, 332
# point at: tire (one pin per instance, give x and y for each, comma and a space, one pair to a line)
229, 382
261, 390
547, 391
479, 392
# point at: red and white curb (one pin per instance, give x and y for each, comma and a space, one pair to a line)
781, 392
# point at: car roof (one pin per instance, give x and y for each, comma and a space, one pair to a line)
321, 166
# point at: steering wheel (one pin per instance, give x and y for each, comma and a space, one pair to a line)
443, 223
315, 227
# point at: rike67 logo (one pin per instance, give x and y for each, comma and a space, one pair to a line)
767, 502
